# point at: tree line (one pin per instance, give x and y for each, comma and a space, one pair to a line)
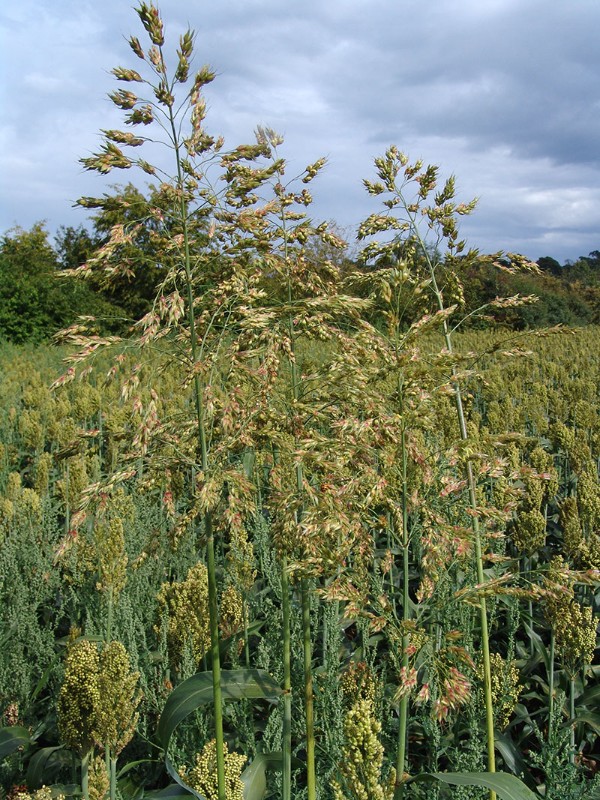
38, 296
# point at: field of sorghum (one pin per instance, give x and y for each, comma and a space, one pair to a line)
104, 617
293, 535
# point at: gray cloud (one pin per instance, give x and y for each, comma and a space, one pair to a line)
505, 94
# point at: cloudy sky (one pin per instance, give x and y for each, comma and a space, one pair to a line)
504, 94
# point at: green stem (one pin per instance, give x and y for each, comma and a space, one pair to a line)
308, 693
113, 778
213, 613
572, 716
85, 775
551, 682
203, 448
527, 568
109, 615
67, 501
305, 591
246, 637
403, 717
287, 683
483, 617
485, 643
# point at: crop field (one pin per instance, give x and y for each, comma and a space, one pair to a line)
105, 612
300, 526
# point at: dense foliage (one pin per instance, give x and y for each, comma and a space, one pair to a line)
37, 300
55, 585
291, 534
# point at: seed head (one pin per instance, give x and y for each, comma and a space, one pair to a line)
122, 74
98, 780
79, 696
185, 606
530, 531
574, 625
45, 793
506, 687
135, 45
362, 758
202, 777
123, 99
152, 22
116, 715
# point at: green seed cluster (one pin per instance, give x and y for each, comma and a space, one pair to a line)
562, 437
112, 558
529, 533
231, 612
43, 470
588, 498
85, 401
575, 633
13, 485
98, 780
241, 558
98, 698
202, 777
45, 793
571, 527
31, 429
76, 479
185, 605
79, 696
358, 683
574, 625
506, 687
7, 513
584, 551
362, 758
116, 716
543, 462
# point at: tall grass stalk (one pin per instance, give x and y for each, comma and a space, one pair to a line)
112, 774
572, 748
287, 682
283, 238
472, 488
406, 615
551, 657
185, 184
440, 218
311, 778
85, 774
202, 438
109, 613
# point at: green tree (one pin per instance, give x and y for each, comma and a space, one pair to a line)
551, 265
35, 302
74, 246
586, 270
139, 262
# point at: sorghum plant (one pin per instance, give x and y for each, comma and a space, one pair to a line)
425, 212
304, 305
221, 249
204, 291
97, 705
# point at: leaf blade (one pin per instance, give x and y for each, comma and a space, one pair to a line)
12, 738
239, 684
506, 786
254, 777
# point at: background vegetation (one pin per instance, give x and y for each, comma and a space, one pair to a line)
36, 303
277, 527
